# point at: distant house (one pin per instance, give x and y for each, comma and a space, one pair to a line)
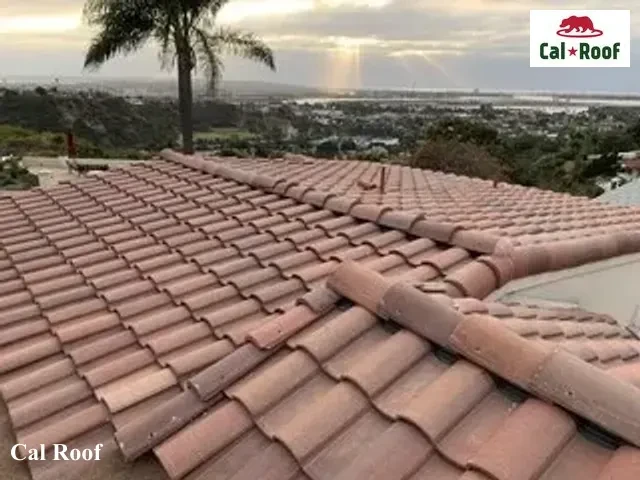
134, 100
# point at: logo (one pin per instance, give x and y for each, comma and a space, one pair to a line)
578, 27
587, 38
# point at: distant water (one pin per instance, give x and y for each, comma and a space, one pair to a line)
550, 109
549, 104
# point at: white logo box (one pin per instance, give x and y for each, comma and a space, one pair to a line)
610, 37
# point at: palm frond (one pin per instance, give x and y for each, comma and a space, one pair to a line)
243, 44
216, 6
125, 25
163, 35
208, 58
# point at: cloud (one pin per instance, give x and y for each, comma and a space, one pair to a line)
370, 43
12, 8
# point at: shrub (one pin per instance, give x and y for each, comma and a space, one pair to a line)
460, 158
13, 176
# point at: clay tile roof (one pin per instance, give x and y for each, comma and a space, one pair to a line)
191, 306
449, 392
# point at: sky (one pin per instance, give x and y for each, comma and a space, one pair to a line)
337, 44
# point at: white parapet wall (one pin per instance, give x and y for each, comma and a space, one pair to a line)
611, 287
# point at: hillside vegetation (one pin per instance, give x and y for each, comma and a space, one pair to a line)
34, 122
13, 176
104, 120
563, 164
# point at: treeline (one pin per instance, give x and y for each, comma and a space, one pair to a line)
106, 125
573, 162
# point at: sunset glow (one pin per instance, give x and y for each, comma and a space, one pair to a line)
237, 11
344, 67
242, 9
39, 24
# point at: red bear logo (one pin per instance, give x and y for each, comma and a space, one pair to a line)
581, 27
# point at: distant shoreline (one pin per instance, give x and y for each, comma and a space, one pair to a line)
155, 86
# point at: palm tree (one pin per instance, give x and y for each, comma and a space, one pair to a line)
186, 33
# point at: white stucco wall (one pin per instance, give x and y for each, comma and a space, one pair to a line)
611, 287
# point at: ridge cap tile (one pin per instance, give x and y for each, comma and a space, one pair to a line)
591, 393
551, 373
475, 279
475, 240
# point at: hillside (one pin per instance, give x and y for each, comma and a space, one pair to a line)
98, 119
104, 120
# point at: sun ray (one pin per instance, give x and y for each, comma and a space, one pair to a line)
428, 58
345, 62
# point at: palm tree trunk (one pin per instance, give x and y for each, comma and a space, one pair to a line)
185, 100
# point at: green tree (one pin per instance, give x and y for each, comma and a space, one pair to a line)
464, 131
328, 149
188, 37
460, 158
607, 165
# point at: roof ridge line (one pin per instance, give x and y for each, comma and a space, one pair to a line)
533, 258
510, 261
551, 374
414, 224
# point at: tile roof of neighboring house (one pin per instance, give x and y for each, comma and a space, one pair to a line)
627, 194
116, 290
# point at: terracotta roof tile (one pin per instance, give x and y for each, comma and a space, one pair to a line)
273, 333
76, 423
433, 411
197, 358
120, 367
124, 286
326, 460
212, 380
225, 424
475, 279
133, 438
479, 425
624, 465
509, 455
